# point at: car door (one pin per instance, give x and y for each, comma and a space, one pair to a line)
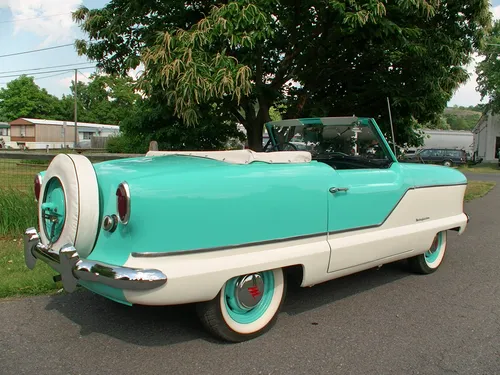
362, 199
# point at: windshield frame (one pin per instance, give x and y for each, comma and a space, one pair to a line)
331, 121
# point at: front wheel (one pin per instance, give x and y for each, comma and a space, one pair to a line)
246, 307
430, 261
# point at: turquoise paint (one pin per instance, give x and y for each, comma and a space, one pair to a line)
431, 257
431, 175
54, 205
372, 195
109, 292
181, 203
247, 316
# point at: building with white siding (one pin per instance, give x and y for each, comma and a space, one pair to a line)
40, 134
487, 137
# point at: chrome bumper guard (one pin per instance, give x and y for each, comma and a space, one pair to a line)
71, 268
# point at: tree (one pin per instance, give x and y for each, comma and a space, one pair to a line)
488, 70
105, 99
24, 98
310, 58
151, 120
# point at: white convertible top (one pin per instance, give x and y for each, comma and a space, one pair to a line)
244, 156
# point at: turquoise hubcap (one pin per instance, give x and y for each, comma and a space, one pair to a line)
432, 254
247, 298
53, 209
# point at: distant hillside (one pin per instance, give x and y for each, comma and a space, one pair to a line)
457, 118
460, 118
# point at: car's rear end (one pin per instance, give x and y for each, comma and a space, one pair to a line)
69, 224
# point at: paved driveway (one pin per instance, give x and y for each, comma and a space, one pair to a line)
383, 321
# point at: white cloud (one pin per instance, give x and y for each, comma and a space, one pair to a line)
49, 19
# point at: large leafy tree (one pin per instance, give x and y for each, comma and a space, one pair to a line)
311, 58
24, 98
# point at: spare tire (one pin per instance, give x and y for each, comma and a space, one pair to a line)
68, 208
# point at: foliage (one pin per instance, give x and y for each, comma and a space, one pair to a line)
105, 99
153, 121
344, 57
127, 144
19, 211
456, 118
478, 189
488, 70
23, 98
18, 280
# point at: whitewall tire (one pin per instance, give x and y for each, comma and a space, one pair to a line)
246, 307
70, 184
430, 261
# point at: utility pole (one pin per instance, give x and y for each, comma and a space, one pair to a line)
76, 94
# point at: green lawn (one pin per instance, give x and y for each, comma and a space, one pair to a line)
481, 168
18, 280
477, 189
17, 174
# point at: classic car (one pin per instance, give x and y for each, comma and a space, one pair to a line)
179, 227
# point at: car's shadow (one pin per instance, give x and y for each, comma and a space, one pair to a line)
164, 325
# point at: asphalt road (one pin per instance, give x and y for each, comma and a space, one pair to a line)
384, 321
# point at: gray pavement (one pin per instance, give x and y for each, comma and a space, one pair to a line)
384, 321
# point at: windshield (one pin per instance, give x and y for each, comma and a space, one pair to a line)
347, 145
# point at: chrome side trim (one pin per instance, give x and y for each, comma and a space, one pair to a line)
68, 263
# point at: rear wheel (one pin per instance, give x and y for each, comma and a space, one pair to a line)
430, 261
246, 307
448, 163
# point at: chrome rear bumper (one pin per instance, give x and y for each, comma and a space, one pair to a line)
71, 268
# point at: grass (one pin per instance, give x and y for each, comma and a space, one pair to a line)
481, 168
16, 174
477, 189
18, 211
18, 280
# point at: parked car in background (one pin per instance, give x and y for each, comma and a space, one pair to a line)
178, 227
444, 156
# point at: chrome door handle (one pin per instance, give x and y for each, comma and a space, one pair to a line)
334, 190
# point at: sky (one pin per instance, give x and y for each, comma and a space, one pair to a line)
37, 24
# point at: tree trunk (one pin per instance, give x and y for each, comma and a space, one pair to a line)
254, 135
255, 126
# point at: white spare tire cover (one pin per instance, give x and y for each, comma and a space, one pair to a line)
81, 197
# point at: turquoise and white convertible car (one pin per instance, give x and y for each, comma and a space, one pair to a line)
215, 228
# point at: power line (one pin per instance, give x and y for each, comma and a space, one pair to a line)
47, 67
52, 75
34, 18
84, 75
39, 78
51, 71
36, 50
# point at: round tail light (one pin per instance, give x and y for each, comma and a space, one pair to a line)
38, 186
123, 202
